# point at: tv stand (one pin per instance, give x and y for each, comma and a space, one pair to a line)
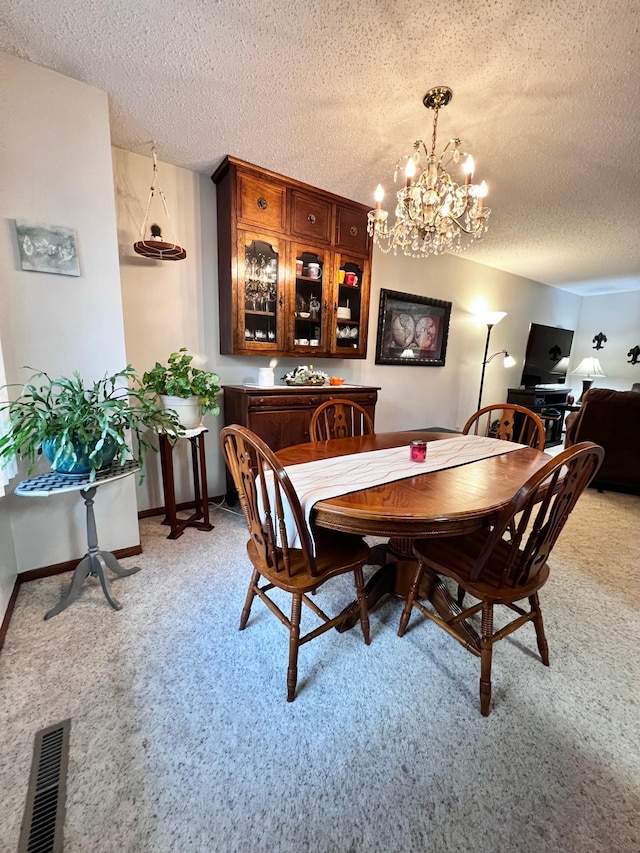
539, 400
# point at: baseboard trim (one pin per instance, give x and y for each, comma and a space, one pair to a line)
8, 613
69, 565
160, 510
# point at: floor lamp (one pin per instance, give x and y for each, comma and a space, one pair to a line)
491, 318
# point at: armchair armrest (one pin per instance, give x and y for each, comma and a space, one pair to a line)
571, 424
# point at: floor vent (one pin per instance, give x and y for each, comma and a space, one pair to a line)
43, 821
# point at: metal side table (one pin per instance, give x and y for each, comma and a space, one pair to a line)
95, 562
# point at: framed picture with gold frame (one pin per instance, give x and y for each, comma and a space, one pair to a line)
412, 330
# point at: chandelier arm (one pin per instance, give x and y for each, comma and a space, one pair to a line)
443, 152
459, 224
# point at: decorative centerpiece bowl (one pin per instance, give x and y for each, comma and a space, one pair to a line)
307, 382
306, 375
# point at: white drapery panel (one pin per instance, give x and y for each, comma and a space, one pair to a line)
8, 467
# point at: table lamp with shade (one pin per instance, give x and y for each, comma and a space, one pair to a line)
588, 368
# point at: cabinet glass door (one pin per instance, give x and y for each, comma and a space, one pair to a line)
310, 299
259, 294
351, 306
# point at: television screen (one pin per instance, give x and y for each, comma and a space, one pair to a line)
547, 357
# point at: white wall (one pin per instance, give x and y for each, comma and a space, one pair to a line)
56, 169
446, 396
618, 317
173, 304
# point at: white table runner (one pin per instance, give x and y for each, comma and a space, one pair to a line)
340, 475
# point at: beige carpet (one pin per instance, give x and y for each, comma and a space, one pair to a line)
181, 738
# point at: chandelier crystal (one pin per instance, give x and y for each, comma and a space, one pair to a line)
433, 214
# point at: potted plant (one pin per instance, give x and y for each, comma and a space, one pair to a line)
189, 391
81, 429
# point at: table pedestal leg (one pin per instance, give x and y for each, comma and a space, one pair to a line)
94, 562
394, 578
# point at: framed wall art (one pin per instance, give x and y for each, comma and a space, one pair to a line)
412, 329
47, 248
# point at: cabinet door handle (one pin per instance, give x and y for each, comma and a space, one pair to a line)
335, 307
311, 218
262, 203
353, 231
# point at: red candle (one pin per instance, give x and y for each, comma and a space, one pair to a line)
418, 450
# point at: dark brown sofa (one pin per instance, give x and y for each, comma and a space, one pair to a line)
611, 419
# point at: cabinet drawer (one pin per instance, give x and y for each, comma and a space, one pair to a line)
310, 217
367, 399
351, 229
294, 401
261, 202
309, 401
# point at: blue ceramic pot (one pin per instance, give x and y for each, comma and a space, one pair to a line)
82, 464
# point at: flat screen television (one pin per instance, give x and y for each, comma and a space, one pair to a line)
547, 357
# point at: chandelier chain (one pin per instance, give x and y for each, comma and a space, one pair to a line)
435, 131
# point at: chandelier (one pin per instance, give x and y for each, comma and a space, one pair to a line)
434, 213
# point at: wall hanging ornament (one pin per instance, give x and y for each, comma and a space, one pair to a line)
634, 355
599, 340
155, 246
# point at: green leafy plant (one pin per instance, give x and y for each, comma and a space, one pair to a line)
70, 422
178, 378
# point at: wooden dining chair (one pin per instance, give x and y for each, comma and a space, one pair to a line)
274, 516
339, 419
498, 570
508, 422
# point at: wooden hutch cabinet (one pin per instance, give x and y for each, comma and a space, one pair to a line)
294, 266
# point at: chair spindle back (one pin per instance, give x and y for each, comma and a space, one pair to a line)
535, 532
339, 419
268, 499
509, 422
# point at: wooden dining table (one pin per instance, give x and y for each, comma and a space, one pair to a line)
447, 502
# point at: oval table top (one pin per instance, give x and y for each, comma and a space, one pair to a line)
450, 501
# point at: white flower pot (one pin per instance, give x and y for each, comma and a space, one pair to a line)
187, 408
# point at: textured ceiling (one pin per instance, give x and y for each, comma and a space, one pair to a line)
546, 97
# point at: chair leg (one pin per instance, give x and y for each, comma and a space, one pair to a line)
486, 651
251, 594
543, 648
362, 604
294, 639
413, 593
